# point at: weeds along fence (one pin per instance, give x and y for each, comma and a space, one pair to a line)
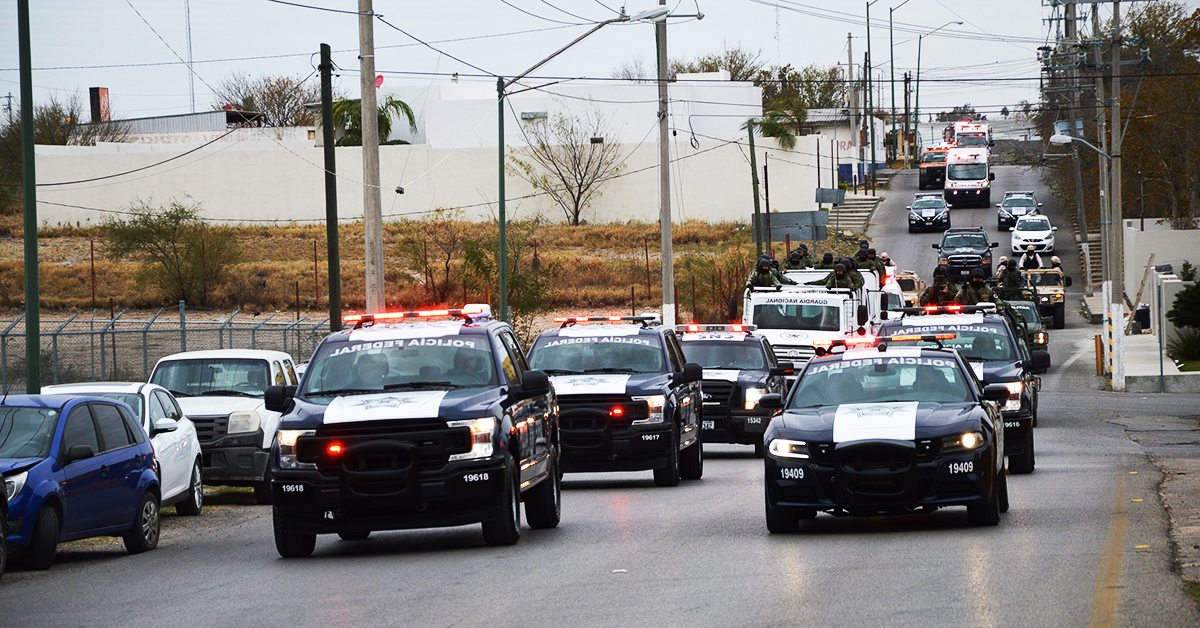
102, 346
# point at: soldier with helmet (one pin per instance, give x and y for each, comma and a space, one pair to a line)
941, 291
975, 291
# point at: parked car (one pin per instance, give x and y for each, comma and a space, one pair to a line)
171, 433
1034, 231
74, 468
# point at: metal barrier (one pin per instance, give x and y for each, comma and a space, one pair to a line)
124, 347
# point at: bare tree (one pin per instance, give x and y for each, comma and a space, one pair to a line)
633, 70
743, 64
280, 99
568, 158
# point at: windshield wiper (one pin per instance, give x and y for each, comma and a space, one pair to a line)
614, 370
342, 391
180, 393
562, 372
406, 385
223, 393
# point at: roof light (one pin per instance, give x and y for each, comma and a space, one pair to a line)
644, 319
472, 312
861, 340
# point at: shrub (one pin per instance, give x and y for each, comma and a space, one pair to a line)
1185, 310
1186, 346
1187, 272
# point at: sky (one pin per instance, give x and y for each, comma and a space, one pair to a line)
135, 47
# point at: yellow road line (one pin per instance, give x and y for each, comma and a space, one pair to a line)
1105, 595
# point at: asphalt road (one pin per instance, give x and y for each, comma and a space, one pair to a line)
1077, 548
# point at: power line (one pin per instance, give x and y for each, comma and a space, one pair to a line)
160, 38
307, 6
539, 16
427, 45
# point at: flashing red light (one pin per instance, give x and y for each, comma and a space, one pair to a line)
434, 313
616, 318
905, 338
862, 340
335, 449
353, 318
738, 328
953, 308
582, 319
562, 320
822, 343
617, 411
693, 328
931, 308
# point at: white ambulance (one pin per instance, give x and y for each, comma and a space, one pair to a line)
968, 177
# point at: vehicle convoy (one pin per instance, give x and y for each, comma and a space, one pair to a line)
932, 171
971, 134
420, 424
1049, 284
75, 467
1037, 336
627, 397
1033, 231
886, 429
171, 433
963, 249
987, 341
911, 286
1015, 205
739, 368
221, 391
968, 177
928, 212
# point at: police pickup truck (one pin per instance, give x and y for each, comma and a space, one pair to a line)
739, 368
987, 341
886, 430
418, 424
628, 399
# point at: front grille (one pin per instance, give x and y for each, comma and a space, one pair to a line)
887, 459
821, 453
965, 260
595, 412
719, 393
430, 440
797, 355
210, 428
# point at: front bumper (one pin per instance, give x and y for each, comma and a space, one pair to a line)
1045, 246
959, 196
235, 460
917, 223
605, 446
743, 428
877, 477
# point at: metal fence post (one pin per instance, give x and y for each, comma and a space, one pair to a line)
4, 352
254, 332
221, 331
54, 343
103, 362
287, 330
92, 341
145, 339
182, 326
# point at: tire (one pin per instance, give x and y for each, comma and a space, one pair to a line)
1060, 315
45, 540
354, 536
1024, 463
262, 490
3, 552
506, 528
921, 185
691, 460
987, 513
292, 544
1033, 413
760, 451
782, 521
1004, 490
543, 506
147, 526
192, 506
669, 475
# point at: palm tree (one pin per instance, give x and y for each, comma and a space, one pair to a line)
348, 114
783, 123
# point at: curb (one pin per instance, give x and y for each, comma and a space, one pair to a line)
1093, 318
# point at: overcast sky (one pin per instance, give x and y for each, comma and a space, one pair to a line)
997, 40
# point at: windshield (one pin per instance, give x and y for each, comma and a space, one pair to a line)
347, 368
798, 316
881, 379
978, 343
717, 354
907, 285
932, 203
214, 376
1045, 279
931, 158
27, 432
1033, 225
1028, 312
1019, 202
965, 241
967, 172
557, 355
972, 140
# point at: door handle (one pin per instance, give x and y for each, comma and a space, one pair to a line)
104, 470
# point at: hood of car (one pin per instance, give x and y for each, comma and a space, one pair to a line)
609, 383
995, 371
449, 405
211, 406
897, 420
15, 465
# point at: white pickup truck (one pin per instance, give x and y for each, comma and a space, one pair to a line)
221, 391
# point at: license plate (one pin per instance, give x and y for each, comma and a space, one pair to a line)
708, 425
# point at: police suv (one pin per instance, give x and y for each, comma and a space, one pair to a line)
628, 399
987, 340
886, 430
739, 368
419, 424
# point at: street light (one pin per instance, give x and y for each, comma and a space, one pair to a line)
892, 62
1062, 140
917, 105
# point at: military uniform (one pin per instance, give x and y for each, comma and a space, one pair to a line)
826, 263
763, 280
969, 295
1011, 277
933, 295
833, 281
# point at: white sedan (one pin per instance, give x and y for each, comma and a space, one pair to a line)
1033, 231
172, 435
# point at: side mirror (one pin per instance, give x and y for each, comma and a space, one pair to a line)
165, 425
991, 176
1039, 204
883, 315
909, 208
692, 372
784, 368
995, 392
774, 401
1067, 282
862, 315
1039, 360
78, 452
994, 245
999, 205
937, 246
1054, 228
991, 143
279, 398
1012, 228
534, 384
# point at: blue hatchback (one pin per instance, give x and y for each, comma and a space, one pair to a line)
75, 467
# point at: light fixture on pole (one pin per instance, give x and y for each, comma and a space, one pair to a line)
917, 99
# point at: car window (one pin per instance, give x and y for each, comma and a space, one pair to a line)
246, 377
291, 373
513, 362
965, 240
157, 411
674, 352
641, 353
111, 428
277, 373
169, 405
79, 430
139, 434
27, 432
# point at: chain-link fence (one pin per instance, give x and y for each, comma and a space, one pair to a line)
99, 346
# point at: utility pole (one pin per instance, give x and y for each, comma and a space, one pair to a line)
758, 218
1101, 133
502, 253
867, 67
331, 214
664, 175
187, 23
907, 93
1074, 82
856, 134
372, 203
33, 324
1116, 225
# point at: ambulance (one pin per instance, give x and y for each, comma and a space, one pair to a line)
968, 177
970, 134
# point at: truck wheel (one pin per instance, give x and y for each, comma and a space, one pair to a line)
262, 490
292, 544
781, 521
147, 525
543, 503
354, 536
194, 503
986, 513
1003, 490
669, 475
45, 540
1060, 315
505, 529
921, 184
691, 460
1025, 462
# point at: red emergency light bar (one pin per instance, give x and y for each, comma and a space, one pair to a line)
695, 328
571, 320
846, 342
952, 308
922, 337
471, 312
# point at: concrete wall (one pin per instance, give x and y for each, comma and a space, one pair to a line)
1169, 246
284, 181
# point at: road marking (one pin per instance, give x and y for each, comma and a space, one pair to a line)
1085, 347
1141, 547
1105, 594
1133, 473
1136, 499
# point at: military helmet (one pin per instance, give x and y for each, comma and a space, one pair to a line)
978, 273
828, 257
940, 271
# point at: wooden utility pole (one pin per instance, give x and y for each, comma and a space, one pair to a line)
331, 211
372, 202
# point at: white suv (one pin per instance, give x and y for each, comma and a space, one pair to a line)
222, 392
171, 433
1033, 231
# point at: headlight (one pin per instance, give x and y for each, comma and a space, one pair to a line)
242, 422
14, 484
1014, 396
968, 441
287, 449
783, 448
481, 437
656, 403
752, 397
